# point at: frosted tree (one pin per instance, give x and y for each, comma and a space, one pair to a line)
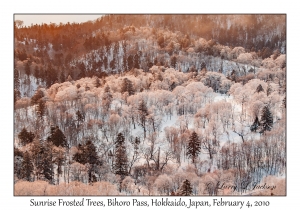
163, 184
107, 98
78, 172
37, 153
46, 162
245, 58
128, 185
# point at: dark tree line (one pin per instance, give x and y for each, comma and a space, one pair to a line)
68, 39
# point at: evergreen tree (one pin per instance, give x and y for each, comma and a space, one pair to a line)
107, 98
80, 155
194, 146
87, 154
41, 108
23, 55
266, 120
27, 167
91, 153
25, 137
37, 152
127, 87
37, 96
259, 88
255, 125
57, 137
143, 113
121, 161
185, 189
46, 163
93, 160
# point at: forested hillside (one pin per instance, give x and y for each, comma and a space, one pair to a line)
151, 104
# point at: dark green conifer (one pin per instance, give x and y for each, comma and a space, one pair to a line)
57, 137
185, 189
266, 120
194, 146
121, 161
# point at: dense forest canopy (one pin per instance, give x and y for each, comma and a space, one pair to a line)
248, 31
150, 105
